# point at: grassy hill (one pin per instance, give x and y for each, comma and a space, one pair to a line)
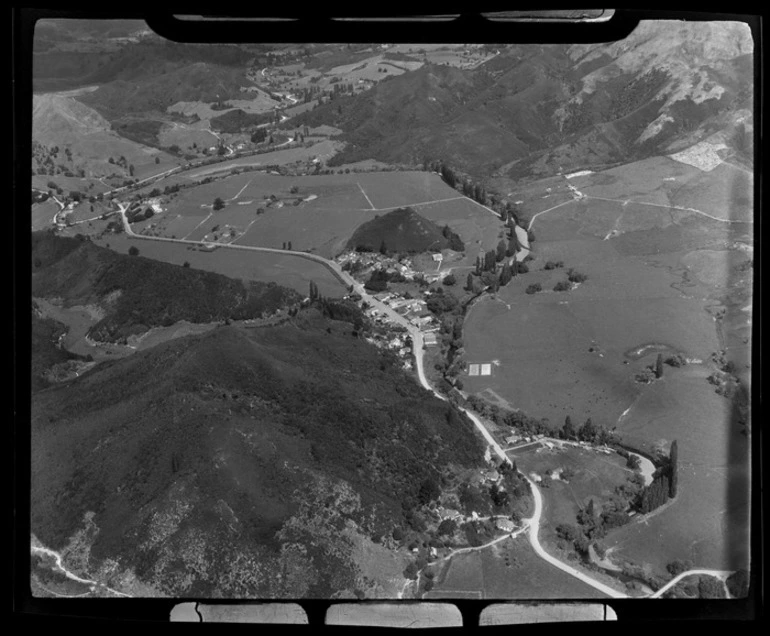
403, 230
256, 463
139, 293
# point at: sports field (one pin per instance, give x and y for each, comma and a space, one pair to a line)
292, 271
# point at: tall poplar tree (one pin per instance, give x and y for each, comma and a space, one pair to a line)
673, 459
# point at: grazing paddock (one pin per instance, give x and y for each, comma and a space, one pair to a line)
507, 570
185, 136
288, 270
323, 149
87, 186
401, 188
709, 520
42, 214
726, 192
649, 180
463, 573
324, 232
330, 208
479, 229
649, 283
527, 576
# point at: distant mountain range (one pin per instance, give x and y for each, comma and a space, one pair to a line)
535, 110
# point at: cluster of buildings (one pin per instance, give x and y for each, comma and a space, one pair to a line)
399, 342
367, 262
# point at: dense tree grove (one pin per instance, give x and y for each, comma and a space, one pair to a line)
656, 494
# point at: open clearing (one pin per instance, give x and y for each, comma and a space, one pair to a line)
655, 275
485, 573
291, 271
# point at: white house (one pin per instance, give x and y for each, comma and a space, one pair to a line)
506, 525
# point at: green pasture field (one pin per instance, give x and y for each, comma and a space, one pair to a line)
484, 573
528, 576
650, 180
399, 189
83, 211
479, 228
85, 185
713, 267
292, 271
650, 284
726, 192
323, 150
332, 207
462, 573
596, 218
709, 520
543, 345
42, 214
186, 136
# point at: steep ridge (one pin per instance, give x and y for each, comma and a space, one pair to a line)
239, 462
137, 293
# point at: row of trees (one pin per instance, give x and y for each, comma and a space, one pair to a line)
457, 181
664, 485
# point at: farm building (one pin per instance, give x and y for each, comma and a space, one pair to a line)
430, 339
447, 513
473, 369
486, 369
506, 525
490, 475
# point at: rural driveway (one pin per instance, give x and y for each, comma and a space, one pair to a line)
720, 574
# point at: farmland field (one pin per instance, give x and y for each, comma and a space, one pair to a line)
319, 212
291, 271
42, 214
708, 523
507, 570
655, 275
